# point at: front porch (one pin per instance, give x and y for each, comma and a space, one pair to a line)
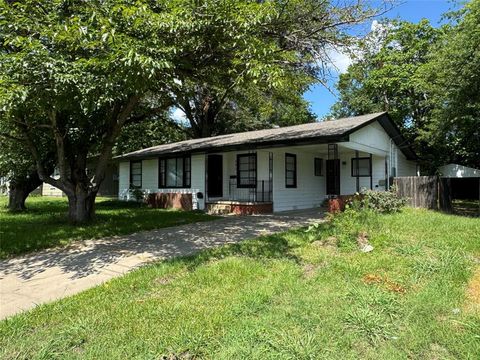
290, 178
239, 183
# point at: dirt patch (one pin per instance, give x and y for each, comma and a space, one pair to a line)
473, 293
437, 352
182, 356
331, 242
372, 279
384, 281
167, 279
309, 271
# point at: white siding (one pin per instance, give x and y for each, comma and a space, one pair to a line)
50, 190
123, 179
372, 135
150, 179
405, 167
348, 184
198, 179
373, 138
310, 190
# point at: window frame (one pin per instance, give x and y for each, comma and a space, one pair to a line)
315, 162
131, 174
247, 186
185, 184
294, 157
369, 159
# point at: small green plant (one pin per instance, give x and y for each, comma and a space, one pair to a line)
347, 225
355, 219
138, 194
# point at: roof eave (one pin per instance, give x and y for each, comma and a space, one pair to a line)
239, 147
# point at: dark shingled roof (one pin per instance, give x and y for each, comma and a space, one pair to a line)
318, 132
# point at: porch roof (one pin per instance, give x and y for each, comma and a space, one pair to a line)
318, 132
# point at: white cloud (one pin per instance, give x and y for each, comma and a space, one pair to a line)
340, 60
376, 25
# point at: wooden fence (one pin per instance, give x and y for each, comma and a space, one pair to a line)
429, 192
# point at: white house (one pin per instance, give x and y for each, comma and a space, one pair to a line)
279, 169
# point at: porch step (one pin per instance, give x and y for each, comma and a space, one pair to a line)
239, 208
219, 209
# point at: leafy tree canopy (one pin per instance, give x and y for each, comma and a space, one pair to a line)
385, 75
428, 79
452, 79
81, 70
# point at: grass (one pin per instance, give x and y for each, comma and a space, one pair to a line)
295, 295
45, 223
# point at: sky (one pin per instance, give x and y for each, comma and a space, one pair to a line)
321, 99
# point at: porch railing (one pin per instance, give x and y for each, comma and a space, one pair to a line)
261, 191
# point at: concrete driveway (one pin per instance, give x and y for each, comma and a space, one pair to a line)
45, 276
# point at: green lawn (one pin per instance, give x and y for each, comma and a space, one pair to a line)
295, 295
45, 223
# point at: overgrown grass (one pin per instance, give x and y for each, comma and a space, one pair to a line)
295, 295
45, 223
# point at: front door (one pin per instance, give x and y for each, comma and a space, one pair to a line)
333, 177
215, 176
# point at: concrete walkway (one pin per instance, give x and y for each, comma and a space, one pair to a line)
53, 274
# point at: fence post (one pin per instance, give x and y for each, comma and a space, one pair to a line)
445, 194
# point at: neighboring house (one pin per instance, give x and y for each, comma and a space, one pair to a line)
50, 190
279, 169
458, 171
4, 183
108, 188
464, 181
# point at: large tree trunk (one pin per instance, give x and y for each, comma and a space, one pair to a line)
81, 206
20, 189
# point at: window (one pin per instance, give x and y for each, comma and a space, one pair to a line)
174, 172
318, 167
290, 170
136, 174
361, 167
247, 170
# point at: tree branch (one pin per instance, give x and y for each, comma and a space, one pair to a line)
106, 153
42, 173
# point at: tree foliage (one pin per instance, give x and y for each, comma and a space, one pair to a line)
263, 48
452, 79
152, 131
428, 79
81, 70
387, 77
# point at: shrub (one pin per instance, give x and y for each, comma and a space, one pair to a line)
383, 202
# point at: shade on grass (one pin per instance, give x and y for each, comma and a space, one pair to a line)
45, 223
286, 296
